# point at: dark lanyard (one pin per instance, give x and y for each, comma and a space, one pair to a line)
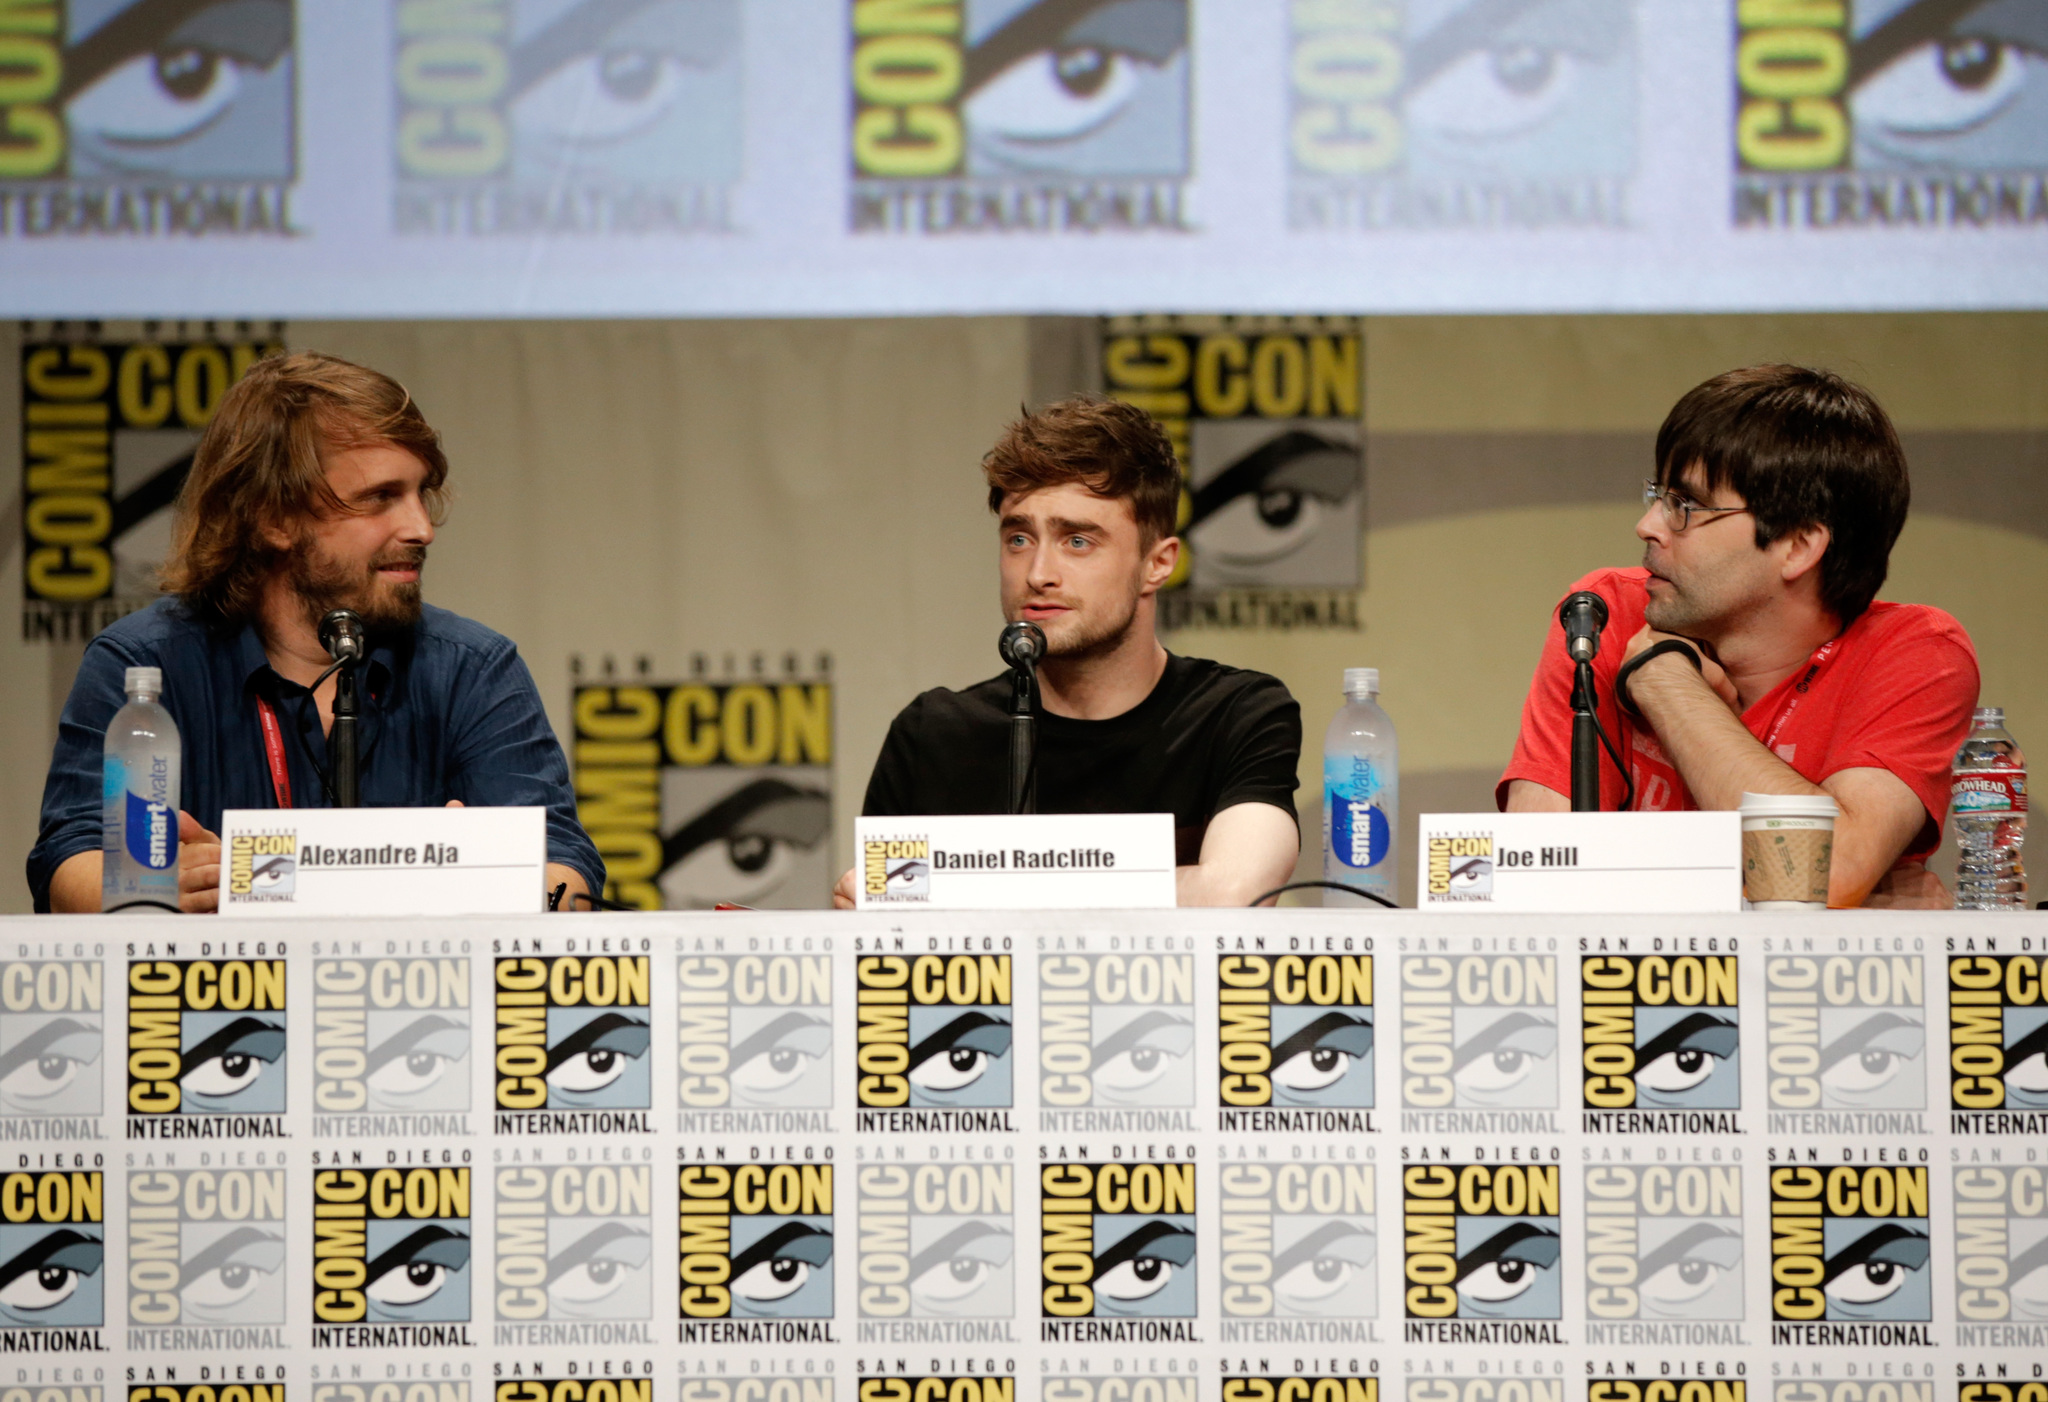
273, 749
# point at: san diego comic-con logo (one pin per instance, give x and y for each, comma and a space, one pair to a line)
53, 1242
756, 1245
1998, 1044
2001, 1217
1611, 1389
997, 115
574, 1389
392, 1390
1460, 114
2001, 1392
1479, 1033
1299, 1388
1857, 1389
897, 869
1300, 1247
1902, 113
1115, 1031
1074, 1387
1460, 869
762, 1389
1117, 1252
205, 1037
1846, 1033
585, 117
391, 1257
938, 1242
572, 1037
934, 1388
1481, 1250
263, 866
1663, 1249
1295, 1040
754, 1032
391, 1045
1661, 1040
52, 1034
206, 1247
1450, 1387
574, 1245
934, 1036
208, 1392
1849, 1255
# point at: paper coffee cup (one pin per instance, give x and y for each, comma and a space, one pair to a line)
1788, 843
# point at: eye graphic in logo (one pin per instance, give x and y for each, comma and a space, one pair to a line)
1507, 1268
1076, 87
173, 87
2027, 1273
965, 1272
2026, 1058
276, 875
598, 1269
910, 877
233, 1064
785, 1061
1876, 1270
415, 1061
1141, 1057
1325, 1271
51, 1277
747, 846
1472, 876
958, 1058
229, 1275
1321, 1057
1284, 510
1693, 1271
1686, 1060
417, 1273
1870, 1059
1504, 1057
1144, 1266
45, 1069
597, 1058
1949, 83
782, 1267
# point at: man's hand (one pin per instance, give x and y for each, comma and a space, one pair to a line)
198, 866
842, 894
1672, 666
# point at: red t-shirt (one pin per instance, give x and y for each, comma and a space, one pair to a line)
1893, 692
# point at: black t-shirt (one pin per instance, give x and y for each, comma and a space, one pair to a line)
1208, 736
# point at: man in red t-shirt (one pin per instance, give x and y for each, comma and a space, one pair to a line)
1778, 496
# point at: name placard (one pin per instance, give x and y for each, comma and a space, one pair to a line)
1580, 863
383, 861
1040, 861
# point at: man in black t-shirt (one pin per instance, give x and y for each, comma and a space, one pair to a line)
1086, 493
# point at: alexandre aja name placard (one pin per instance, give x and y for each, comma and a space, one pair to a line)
383, 861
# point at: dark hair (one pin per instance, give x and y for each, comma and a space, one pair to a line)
1113, 449
1801, 448
262, 462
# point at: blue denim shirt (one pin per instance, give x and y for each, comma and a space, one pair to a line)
448, 711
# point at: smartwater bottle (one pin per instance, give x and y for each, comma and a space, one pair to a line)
139, 801
1361, 793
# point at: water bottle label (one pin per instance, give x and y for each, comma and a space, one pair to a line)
1359, 832
152, 830
1989, 791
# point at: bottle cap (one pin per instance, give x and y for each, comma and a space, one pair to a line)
1988, 715
1361, 679
149, 679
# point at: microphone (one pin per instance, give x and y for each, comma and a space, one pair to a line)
341, 633
1583, 615
1022, 645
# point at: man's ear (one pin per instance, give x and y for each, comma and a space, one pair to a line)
1803, 548
1159, 563
275, 536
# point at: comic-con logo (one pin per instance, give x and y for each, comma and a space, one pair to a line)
1018, 114
766, 1389
390, 1035
1998, 1042
574, 1242
1452, 1388
934, 1031
206, 1246
937, 1241
1117, 1242
2001, 1216
1081, 1388
573, 1390
896, 869
1300, 1242
1479, 1031
1672, 1390
440, 1390
573, 1032
1660, 1033
1300, 1389
1116, 1030
1481, 1241
754, 1031
263, 866
391, 1246
1850, 1243
1846, 1032
206, 1036
1295, 1031
52, 1033
206, 1392
1663, 1242
1460, 869
53, 1242
756, 1244
925, 1388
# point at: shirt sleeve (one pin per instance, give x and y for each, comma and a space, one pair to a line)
71, 793
1263, 759
1909, 714
505, 755
1543, 746
892, 785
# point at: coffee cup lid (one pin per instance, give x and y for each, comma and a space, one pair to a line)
1792, 805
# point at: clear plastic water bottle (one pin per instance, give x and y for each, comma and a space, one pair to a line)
1361, 793
139, 801
1988, 801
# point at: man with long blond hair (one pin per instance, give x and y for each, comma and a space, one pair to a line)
317, 486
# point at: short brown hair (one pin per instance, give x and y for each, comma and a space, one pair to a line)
261, 463
1111, 448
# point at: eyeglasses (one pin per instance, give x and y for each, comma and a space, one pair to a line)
1680, 509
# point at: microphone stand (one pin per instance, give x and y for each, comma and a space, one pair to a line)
1585, 742
1023, 737
342, 739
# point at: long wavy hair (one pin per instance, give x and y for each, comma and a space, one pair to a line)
262, 463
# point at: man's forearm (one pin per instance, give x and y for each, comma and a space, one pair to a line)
1713, 750
75, 885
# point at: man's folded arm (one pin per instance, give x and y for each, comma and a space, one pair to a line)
1249, 849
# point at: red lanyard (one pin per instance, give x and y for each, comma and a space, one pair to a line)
273, 749
1815, 666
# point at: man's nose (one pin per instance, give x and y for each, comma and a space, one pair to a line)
417, 527
1045, 566
1652, 526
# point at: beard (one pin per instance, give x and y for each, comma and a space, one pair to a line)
325, 584
1081, 639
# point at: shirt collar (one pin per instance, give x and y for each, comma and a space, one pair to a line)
251, 661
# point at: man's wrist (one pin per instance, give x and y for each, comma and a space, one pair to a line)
1655, 673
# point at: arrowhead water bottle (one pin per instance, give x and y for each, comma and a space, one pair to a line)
139, 801
1988, 798
1361, 793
